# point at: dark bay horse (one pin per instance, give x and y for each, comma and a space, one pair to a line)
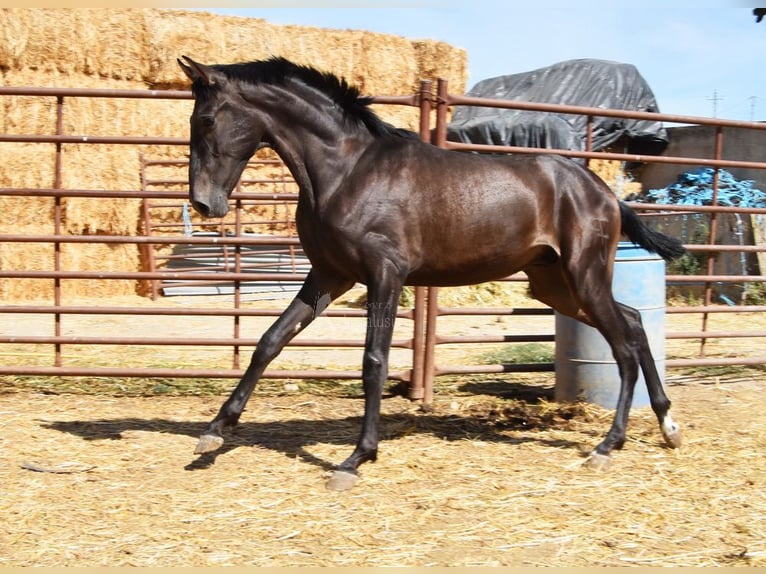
378, 206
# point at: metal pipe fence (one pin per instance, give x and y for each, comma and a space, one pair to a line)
423, 332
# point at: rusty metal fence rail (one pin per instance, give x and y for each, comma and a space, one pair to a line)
59, 338
421, 335
435, 311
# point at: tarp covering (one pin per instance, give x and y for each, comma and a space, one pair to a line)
584, 82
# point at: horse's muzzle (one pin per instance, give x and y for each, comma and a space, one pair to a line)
215, 205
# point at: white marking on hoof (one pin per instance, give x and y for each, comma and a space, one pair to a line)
208, 443
341, 480
671, 431
597, 461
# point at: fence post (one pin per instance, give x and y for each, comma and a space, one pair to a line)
432, 309
147, 251
237, 269
419, 310
57, 216
711, 237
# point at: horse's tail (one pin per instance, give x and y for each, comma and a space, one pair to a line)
653, 241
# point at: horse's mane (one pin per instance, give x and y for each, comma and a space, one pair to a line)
277, 70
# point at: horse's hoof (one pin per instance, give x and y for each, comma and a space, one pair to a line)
342, 480
208, 443
597, 461
672, 435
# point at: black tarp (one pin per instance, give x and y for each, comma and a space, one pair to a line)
584, 82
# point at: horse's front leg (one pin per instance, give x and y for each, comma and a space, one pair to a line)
313, 298
382, 302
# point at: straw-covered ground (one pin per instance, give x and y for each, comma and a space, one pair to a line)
492, 476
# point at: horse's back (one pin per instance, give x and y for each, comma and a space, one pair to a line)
473, 218
507, 193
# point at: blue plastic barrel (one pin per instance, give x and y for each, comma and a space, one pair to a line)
585, 366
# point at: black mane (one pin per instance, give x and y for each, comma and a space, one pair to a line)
277, 70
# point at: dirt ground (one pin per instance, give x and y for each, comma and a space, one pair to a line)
492, 477
483, 480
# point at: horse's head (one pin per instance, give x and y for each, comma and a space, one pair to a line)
225, 133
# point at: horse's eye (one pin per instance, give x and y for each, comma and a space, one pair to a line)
208, 121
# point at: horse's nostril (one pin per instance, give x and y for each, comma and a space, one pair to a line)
217, 207
200, 207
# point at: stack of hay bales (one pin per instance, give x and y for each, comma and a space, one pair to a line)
614, 174
137, 49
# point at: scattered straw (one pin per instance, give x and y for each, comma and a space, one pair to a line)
471, 484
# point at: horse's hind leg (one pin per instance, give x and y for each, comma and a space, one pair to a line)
315, 295
636, 344
585, 294
657, 397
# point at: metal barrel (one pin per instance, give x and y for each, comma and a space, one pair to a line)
585, 366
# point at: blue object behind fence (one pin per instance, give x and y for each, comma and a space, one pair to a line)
696, 188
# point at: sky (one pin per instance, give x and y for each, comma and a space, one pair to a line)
700, 57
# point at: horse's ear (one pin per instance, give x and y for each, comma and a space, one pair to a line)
196, 71
187, 70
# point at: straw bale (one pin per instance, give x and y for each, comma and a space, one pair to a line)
26, 165
110, 167
88, 168
207, 38
74, 257
400, 73
103, 42
377, 63
89, 116
83, 167
226, 39
101, 168
99, 257
133, 49
142, 45
22, 167
26, 114
25, 257
615, 176
441, 60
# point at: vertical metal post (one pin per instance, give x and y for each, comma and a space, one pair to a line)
237, 269
589, 139
432, 310
57, 214
711, 238
147, 251
416, 391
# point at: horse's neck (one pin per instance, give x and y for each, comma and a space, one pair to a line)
299, 169
319, 153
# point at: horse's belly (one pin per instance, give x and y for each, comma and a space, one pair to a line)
470, 272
